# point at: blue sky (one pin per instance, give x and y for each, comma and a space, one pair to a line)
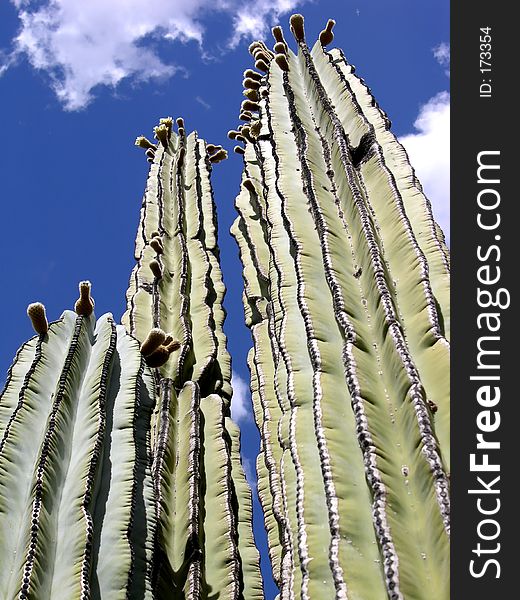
80, 80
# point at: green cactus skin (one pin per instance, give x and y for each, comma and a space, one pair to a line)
346, 281
204, 510
77, 516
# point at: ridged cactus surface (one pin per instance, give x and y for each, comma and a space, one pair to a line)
203, 501
77, 512
346, 294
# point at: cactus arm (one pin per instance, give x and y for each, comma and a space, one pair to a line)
268, 397
124, 517
79, 417
27, 422
143, 525
221, 559
408, 270
414, 302
347, 275
415, 296
313, 300
182, 295
411, 405
179, 499
249, 556
187, 299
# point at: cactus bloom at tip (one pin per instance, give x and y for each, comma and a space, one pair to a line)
347, 297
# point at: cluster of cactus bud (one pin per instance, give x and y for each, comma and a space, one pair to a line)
84, 307
158, 346
36, 312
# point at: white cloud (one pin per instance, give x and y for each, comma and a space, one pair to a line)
252, 21
85, 44
241, 400
82, 44
6, 61
429, 153
442, 55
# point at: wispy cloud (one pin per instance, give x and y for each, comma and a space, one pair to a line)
84, 44
429, 152
6, 61
203, 102
442, 55
241, 400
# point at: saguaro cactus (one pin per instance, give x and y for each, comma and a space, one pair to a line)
77, 516
346, 294
203, 501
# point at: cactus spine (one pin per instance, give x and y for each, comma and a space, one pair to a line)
346, 294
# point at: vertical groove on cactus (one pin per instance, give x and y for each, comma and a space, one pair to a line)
340, 251
221, 559
200, 510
